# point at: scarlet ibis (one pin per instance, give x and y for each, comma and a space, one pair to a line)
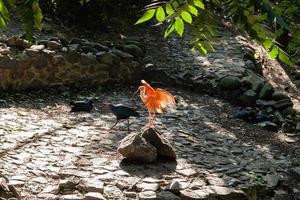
86, 106
121, 112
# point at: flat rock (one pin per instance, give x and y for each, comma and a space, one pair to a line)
268, 126
94, 196
166, 195
147, 195
272, 179
72, 197
226, 193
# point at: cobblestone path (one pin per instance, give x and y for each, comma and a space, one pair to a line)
48, 153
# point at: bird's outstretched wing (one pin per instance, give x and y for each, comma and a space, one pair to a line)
149, 90
164, 98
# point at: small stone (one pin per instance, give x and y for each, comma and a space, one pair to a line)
287, 128
72, 197
279, 96
92, 185
129, 194
174, 187
272, 179
284, 103
37, 47
281, 195
290, 140
187, 172
230, 82
248, 98
54, 45
147, 187
147, 195
67, 184
268, 126
112, 192
266, 92
94, 196
189, 194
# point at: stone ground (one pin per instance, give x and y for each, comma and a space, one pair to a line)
48, 153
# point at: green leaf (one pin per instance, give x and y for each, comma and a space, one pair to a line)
4, 11
175, 4
38, 16
284, 58
169, 30
274, 53
186, 17
199, 4
160, 14
147, 16
193, 10
179, 26
267, 44
2, 22
169, 9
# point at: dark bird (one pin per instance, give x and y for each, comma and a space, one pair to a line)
86, 106
121, 112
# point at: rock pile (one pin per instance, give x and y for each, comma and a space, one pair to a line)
59, 61
146, 146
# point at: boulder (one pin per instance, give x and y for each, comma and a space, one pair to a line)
146, 146
134, 147
163, 147
230, 82
253, 81
266, 92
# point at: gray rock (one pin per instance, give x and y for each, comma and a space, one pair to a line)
147, 187
174, 187
134, 50
92, 185
126, 57
253, 81
88, 49
279, 96
268, 126
112, 192
296, 172
54, 45
272, 179
94, 196
163, 147
72, 197
148, 195
107, 58
67, 185
281, 195
288, 111
166, 195
287, 128
189, 194
134, 147
266, 92
248, 98
230, 82
282, 104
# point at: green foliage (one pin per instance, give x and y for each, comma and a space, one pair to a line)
265, 21
30, 11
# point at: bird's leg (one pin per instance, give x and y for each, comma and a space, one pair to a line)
153, 116
114, 125
149, 119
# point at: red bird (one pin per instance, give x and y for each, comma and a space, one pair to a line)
154, 99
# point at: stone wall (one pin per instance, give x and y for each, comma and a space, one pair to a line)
77, 62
